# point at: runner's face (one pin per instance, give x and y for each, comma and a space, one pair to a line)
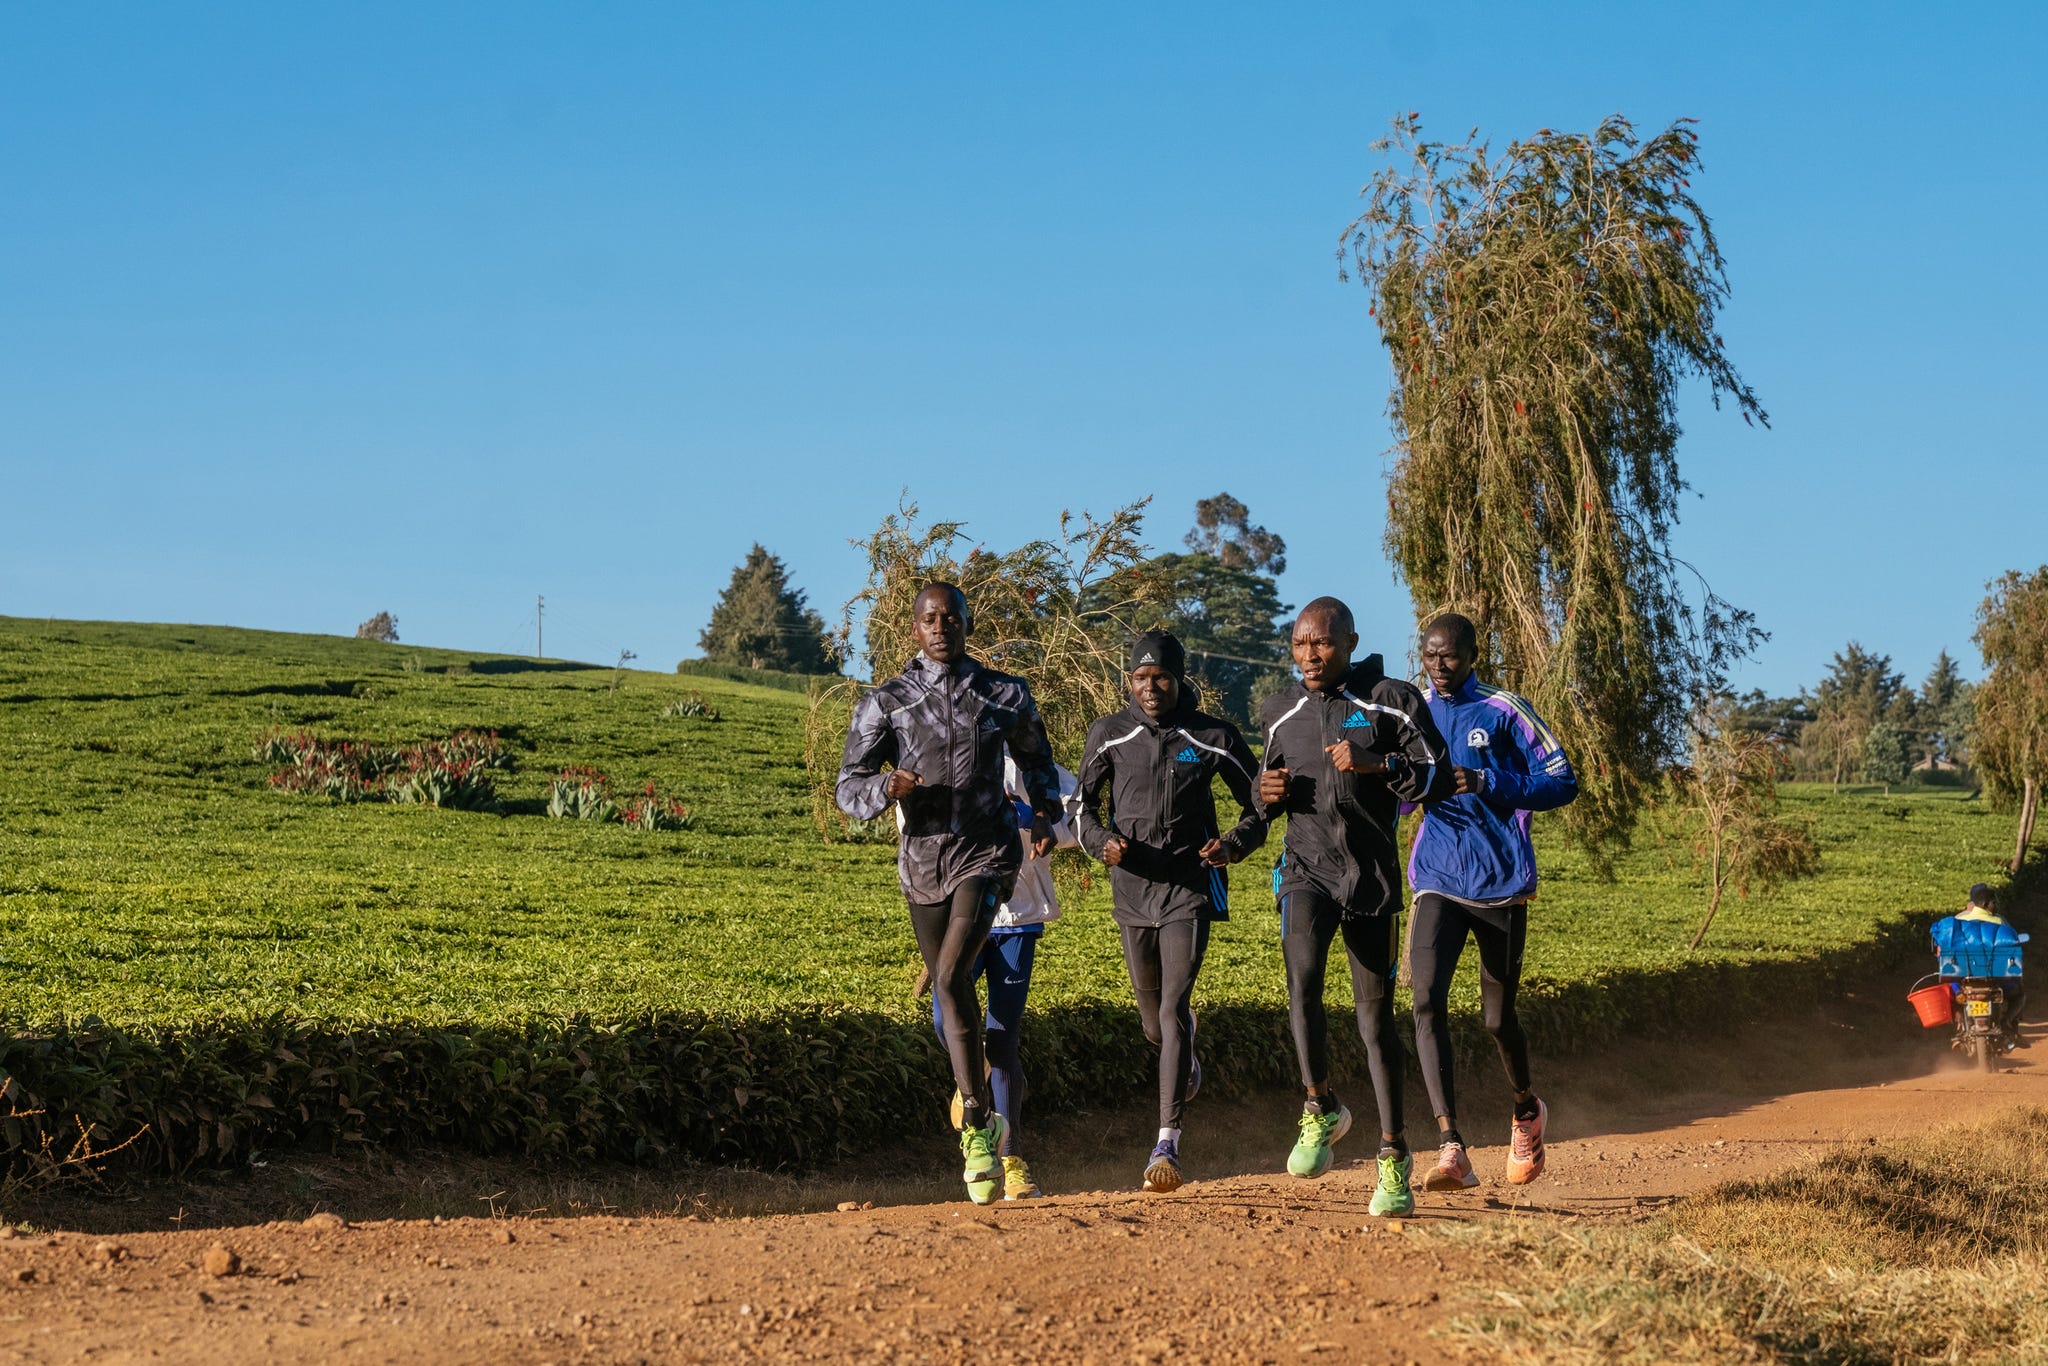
1154, 690
1446, 662
1322, 655
940, 625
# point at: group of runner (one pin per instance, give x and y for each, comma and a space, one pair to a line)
960, 751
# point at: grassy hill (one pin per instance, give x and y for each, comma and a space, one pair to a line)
157, 897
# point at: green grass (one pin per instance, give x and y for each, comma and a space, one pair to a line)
150, 880
147, 875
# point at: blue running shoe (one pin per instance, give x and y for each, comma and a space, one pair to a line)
1162, 1173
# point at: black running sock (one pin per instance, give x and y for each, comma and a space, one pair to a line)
972, 1115
1449, 1136
1398, 1148
1527, 1109
1325, 1104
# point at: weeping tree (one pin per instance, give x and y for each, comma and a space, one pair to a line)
2011, 742
1543, 308
1059, 611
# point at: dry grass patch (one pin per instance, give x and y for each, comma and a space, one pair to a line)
1931, 1249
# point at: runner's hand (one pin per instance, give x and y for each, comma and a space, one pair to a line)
1470, 782
1217, 854
899, 784
1351, 757
1113, 850
1273, 786
1041, 835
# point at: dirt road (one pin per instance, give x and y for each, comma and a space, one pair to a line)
1240, 1265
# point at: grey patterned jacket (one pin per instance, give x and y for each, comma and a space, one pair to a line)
950, 727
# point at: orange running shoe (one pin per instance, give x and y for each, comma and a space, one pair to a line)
1525, 1150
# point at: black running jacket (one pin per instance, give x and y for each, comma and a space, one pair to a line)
950, 727
1340, 826
1156, 776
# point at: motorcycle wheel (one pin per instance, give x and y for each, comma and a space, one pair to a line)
1987, 1053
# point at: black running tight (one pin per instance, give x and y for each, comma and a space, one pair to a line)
1309, 923
1435, 941
1163, 963
950, 934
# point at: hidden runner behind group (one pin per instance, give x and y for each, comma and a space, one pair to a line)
1154, 761
939, 730
1473, 871
1007, 961
1344, 747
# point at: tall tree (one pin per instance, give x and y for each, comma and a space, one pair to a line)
761, 622
1543, 310
1887, 755
1860, 689
1945, 712
1221, 601
1224, 530
2011, 746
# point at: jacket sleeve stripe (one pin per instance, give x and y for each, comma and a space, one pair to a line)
1541, 738
1403, 717
1274, 728
1182, 730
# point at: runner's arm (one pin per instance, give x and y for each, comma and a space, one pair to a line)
1420, 769
1240, 775
870, 743
1096, 772
1549, 782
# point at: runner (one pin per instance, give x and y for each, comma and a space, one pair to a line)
942, 725
1154, 760
1344, 746
1473, 871
1006, 961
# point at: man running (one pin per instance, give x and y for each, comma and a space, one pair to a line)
1344, 747
942, 725
1473, 871
1154, 760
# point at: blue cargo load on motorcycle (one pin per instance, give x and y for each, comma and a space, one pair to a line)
1969, 947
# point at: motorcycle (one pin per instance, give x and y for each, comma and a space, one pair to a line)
1968, 990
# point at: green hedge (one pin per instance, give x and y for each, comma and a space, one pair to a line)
790, 1090
760, 678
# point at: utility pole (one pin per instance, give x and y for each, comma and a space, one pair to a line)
539, 606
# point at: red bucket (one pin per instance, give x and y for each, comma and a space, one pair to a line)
1934, 1005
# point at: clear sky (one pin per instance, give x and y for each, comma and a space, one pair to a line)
308, 312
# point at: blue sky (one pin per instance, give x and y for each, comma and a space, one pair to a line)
315, 311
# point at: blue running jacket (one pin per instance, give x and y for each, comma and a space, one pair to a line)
1476, 848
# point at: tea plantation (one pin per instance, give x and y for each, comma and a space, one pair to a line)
205, 965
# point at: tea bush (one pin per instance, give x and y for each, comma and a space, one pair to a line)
184, 950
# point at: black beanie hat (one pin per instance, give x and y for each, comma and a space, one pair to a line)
1159, 647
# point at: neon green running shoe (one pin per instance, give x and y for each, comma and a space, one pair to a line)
984, 1172
1393, 1195
1311, 1156
1017, 1182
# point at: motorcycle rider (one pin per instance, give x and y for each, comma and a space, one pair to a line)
1978, 942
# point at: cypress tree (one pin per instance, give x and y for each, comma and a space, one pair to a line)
761, 622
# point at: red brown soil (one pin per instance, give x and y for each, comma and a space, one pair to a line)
1240, 1265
